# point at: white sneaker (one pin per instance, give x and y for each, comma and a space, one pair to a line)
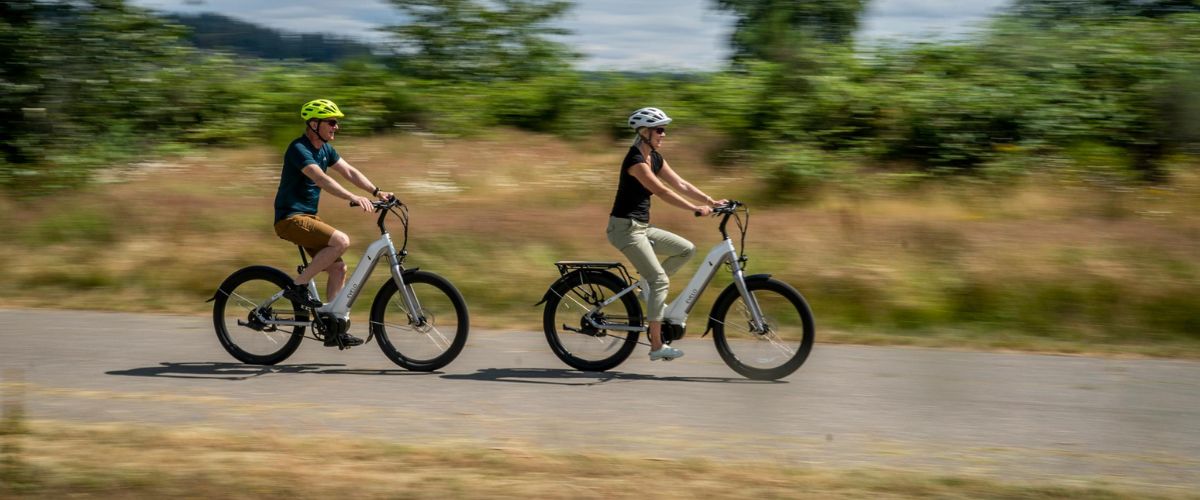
666, 352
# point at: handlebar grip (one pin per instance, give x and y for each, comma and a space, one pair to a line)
697, 213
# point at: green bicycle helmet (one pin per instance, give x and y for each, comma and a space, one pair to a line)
320, 109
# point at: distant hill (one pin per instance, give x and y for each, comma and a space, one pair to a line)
215, 31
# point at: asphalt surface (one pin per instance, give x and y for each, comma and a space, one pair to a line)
1014, 416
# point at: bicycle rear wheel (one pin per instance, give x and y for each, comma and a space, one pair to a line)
240, 315
428, 339
772, 354
588, 348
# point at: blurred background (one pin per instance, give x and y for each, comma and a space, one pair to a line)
1009, 174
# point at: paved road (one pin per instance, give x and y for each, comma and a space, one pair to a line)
1016, 416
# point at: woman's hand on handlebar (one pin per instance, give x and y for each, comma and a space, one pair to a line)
703, 210
385, 195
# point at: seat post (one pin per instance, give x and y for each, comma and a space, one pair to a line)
303, 258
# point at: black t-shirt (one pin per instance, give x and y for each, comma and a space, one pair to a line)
633, 199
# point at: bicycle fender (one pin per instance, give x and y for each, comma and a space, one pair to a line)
570, 277
729, 290
225, 285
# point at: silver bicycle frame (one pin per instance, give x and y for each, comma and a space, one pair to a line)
677, 311
340, 305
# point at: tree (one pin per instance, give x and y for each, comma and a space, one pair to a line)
77, 83
1048, 11
467, 40
773, 30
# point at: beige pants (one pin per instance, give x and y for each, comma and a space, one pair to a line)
639, 242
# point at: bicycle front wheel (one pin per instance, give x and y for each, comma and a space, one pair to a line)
572, 339
423, 340
242, 316
771, 354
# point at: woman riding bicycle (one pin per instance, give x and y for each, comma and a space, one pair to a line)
645, 173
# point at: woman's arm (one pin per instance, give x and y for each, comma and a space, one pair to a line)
684, 187
643, 174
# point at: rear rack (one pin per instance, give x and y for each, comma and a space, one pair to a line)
566, 266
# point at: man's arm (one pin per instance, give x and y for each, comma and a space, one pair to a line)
326, 183
357, 178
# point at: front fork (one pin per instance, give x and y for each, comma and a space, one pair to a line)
757, 322
415, 317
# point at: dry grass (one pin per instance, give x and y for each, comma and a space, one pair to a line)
1052, 263
55, 460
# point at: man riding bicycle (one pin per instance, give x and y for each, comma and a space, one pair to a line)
305, 165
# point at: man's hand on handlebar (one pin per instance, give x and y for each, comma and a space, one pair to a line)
702, 210
362, 202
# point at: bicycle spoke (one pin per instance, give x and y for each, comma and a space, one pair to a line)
439, 336
239, 296
568, 296
774, 339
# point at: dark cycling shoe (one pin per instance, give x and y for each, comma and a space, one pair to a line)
299, 295
344, 339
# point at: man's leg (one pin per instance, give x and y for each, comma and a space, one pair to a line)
337, 278
329, 259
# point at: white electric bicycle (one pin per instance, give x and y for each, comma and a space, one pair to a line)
762, 327
419, 317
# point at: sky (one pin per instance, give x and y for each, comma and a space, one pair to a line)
634, 35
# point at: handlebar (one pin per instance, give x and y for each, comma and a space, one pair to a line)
382, 204
725, 209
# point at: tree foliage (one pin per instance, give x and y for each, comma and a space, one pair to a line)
1049, 12
775, 30
214, 31
87, 84
84, 78
468, 40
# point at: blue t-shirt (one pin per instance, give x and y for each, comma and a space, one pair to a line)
297, 193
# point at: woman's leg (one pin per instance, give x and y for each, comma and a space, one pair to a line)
677, 249
629, 237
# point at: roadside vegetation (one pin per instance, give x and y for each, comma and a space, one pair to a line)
52, 460
1033, 186
1049, 263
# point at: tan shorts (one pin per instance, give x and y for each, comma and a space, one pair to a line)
308, 231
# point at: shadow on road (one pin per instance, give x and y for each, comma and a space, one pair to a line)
558, 376
238, 371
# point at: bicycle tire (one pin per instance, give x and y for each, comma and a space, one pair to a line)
770, 356
421, 347
265, 345
570, 297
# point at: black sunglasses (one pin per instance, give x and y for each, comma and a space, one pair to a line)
330, 122
661, 130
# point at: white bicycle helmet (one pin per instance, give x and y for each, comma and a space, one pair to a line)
648, 117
